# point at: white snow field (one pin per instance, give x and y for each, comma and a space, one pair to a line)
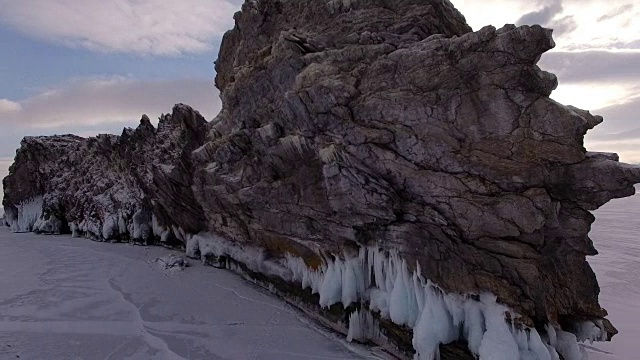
67, 298
616, 234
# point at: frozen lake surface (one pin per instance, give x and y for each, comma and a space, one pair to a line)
616, 234
65, 298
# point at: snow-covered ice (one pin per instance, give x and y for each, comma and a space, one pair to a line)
616, 235
68, 298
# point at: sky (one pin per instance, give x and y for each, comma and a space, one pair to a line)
95, 66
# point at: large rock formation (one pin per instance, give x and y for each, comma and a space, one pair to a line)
379, 147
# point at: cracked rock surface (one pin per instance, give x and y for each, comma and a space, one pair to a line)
361, 122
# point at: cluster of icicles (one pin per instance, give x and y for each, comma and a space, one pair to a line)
28, 217
436, 317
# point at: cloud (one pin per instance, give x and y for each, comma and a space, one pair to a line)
620, 121
594, 79
132, 26
593, 66
574, 21
627, 149
563, 25
95, 101
619, 132
633, 134
542, 16
547, 17
626, 45
615, 13
8, 106
591, 96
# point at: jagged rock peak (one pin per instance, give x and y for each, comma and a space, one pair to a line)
321, 25
144, 120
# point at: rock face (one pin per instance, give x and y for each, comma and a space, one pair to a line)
352, 124
110, 187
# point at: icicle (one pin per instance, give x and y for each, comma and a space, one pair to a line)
521, 339
379, 301
474, 324
389, 275
435, 327
538, 348
331, 289
399, 301
552, 351
362, 326
361, 277
497, 342
355, 329
418, 287
567, 346
370, 267
381, 278
551, 334
349, 283
29, 212
75, 231
122, 225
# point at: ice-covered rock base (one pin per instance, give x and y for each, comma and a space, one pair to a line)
373, 285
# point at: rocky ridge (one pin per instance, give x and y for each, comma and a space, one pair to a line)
382, 148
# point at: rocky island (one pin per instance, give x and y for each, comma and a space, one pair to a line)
399, 177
